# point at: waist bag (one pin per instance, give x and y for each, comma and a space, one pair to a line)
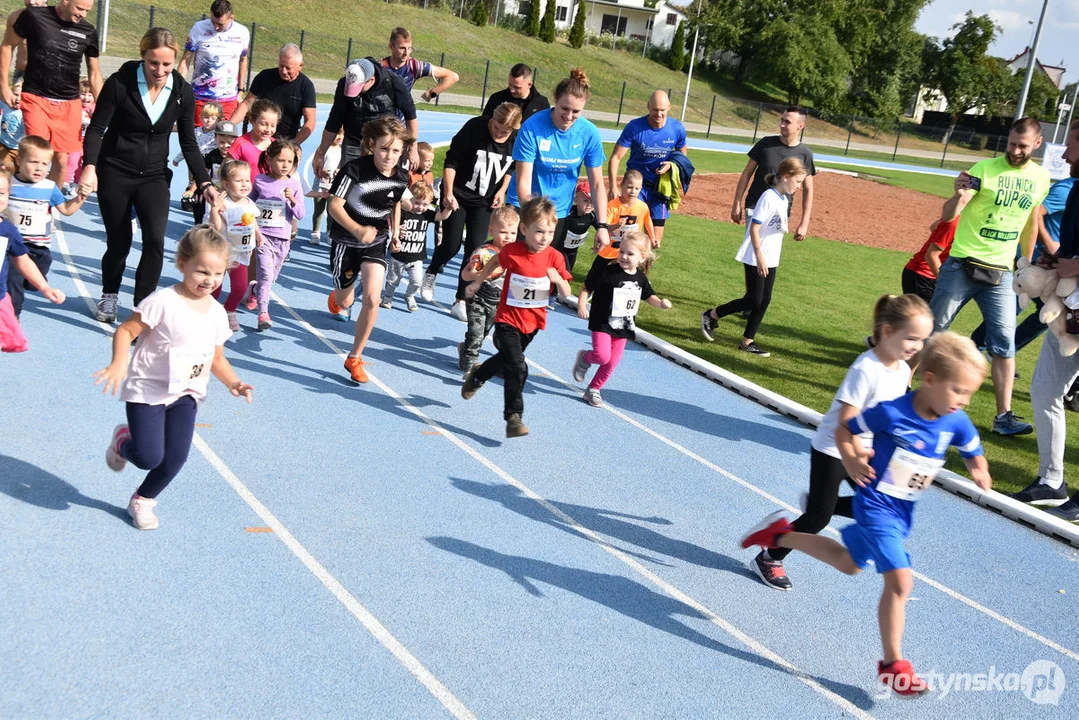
982, 272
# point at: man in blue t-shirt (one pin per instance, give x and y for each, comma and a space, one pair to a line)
649, 140
401, 63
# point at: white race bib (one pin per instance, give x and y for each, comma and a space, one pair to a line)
574, 240
528, 292
241, 240
908, 475
189, 369
271, 213
626, 301
621, 231
31, 218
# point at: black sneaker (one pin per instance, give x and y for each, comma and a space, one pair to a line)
1038, 493
754, 349
514, 426
1068, 511
708, 325
470, 385
771, 572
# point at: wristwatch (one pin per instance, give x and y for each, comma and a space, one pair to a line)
602, 226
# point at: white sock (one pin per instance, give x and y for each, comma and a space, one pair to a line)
1055, 484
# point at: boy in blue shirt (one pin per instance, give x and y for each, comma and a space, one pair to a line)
911, 435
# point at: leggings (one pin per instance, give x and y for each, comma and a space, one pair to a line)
316, 219
607, 353
758, 295
469, 223
149, 197
160, 440
826, 474
271, 256
237, 287
510, 360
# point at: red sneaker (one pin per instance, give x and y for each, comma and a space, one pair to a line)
354, 365
900, 677
767, 531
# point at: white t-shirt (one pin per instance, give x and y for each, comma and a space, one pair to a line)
868, 382
215, 71
241, 218
330, 161
173, 357
771, 217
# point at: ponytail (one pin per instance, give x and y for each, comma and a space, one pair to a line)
896, 311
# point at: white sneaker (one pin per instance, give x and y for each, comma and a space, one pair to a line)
580, 366
113, 458
458, 311
316, 238
410, 303
141, 511
106, 307
592, 397
427, 290
234, 322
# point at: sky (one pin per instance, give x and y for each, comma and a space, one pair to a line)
1014, 17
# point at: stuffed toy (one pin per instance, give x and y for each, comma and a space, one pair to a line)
1035, 281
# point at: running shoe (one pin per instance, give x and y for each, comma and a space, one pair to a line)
552, 302
427, 289
234, 322
1008, 423
106, 307
771, 572
410, 304
1038, 493
316, 238
580, 366
386, 303
252, 302
754, 349
901, 679
141, 511
593, 398
336, 310
458, 311
708, 325
113, 457
1068, 511
766, 533
265, 323
470, 385
462, 359
514, 426
354, 365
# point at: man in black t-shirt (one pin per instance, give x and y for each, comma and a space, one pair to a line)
520, 92
764, 158
293, 92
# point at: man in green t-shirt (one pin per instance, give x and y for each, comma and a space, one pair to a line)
996, 198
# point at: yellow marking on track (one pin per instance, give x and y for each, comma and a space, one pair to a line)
258, 529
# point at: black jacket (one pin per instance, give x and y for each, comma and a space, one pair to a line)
529, 105
387, 96
121, 138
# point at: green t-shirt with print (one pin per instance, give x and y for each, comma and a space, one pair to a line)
991, 224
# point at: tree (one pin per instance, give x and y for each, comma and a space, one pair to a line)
808, 62
479, 13
678, 48
576, 33
885, 53
1042, 97
532, 22
547, 29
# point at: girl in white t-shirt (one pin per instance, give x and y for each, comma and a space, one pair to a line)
181, 332
236, 217
900, 326
759, 253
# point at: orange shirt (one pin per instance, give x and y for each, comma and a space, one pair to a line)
630, 217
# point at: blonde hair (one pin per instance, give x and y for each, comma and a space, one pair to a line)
505, 215
158, 37
946, 353
896, 311
231, 166
576, 85
215, 106
508, 114
422, 191
424, 147
33, 141
790, 166
633, 175
643, 243
538, 208
200, 239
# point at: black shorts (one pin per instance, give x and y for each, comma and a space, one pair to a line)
920, 285
347, 260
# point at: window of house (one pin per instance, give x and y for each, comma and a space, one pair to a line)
613, 25
523, 7
672, 19
648, 25
560, 14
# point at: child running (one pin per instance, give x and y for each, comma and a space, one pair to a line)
74, 159
365, 205
900, 327
225, 134
626, 214
582, 217
530, 268
759, 254
236, 217
422, 172
14, 253
279, 198
181, 333
409, 250
321, 194
921, 271
482, 306
263, 117
911, 435
617, 289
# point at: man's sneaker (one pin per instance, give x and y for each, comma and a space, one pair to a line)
1038, 493
106, 307
708, 325
316, 238
354, 365
141, 511
234, 322
901, 679
470, 385
410, 303
458, 311
427, 289
462, 360
265, 323
771, 572
754, 349
335, 309
1008, 423
593, 398
252, 302
386, 304
1068, 511
580, 366
514, 426
767, 531
113, 457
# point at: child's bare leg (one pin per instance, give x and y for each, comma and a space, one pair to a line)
892, 612
344, 298
373, 275
824, 549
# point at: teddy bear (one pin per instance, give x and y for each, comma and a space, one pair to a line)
1035, 281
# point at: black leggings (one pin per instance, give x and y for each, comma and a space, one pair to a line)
160, 441
118, 194
758, 295
510, 362
469, 223
826, 474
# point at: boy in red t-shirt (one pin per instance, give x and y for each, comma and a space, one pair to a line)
920, 273
530, 268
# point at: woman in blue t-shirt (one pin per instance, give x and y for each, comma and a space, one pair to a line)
551, 147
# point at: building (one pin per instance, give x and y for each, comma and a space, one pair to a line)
1055, 73
621, 18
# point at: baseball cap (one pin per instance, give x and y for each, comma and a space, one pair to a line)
224, 127
584, 187
356, 74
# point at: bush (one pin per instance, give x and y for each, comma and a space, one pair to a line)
547, 29
978, 142
677, 58
576, 33
479, 14
532, 24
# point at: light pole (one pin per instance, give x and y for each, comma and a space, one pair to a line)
689, 78
1021, 106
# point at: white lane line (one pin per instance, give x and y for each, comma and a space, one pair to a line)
955, 595
361, 613
636, 566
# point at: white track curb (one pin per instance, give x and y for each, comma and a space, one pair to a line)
1021, 512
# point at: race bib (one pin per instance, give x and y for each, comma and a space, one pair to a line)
189, 369
908, 475
31, 218
241, 239
574, 240
621, 231
528, 292
626, 302
271, 213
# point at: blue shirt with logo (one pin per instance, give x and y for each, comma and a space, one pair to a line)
556, 157
649, 146
1054, 206
11, 126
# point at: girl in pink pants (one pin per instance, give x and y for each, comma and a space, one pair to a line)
236, 217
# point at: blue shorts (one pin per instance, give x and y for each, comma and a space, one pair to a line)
657, 203
882, 544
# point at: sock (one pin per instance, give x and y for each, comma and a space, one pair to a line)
765, 555
1055, 484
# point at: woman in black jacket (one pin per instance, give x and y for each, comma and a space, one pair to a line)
126, 152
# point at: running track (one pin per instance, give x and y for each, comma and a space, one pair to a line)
335, 550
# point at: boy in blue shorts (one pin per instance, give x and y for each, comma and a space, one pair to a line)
911, 435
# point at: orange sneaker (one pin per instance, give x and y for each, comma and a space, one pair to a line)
354, 365
900, 677
336, 310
